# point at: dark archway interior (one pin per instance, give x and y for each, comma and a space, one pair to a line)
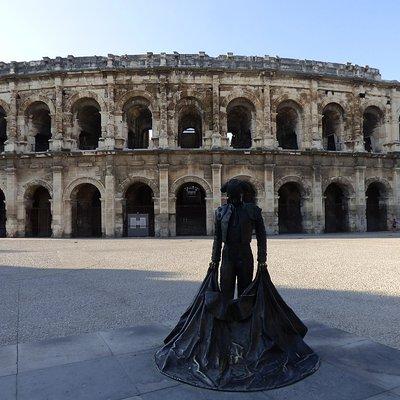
38, 213
191, 210
371, 123
239, 125
139, 199
89, 120
139, 121
86, 211
289, 209
376, 211
3, 216
331, 119
286, 128
190, 129
3, 129
39, 114
336, 209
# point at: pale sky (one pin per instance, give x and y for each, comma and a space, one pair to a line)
364, 32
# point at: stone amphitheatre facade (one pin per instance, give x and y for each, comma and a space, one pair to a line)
85, 141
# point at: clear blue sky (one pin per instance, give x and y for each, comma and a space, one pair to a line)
365, 32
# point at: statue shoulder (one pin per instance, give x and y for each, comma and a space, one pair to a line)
220, 211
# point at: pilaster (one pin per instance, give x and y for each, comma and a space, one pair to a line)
11, 202
56, 204
162, 219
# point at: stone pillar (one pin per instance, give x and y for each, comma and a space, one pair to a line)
358, 138
268, 135
269, 212
307, 214
56, 203
56, 141
11, 145
109, 122
163, 123
315, 133
67, 218
396, 194
120, 130
209, 216
216, 185
318, 207
360, 223
216, 134
11, 202
162, 224
108, 203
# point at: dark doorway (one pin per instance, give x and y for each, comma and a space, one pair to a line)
139, 199
239, 125
190, 134
86, 211
371, 126
3, 129
3, 216
289, 209
39, 114
191, 210
376, 211
139, 121
332, 119
38, 213
336, 209
287, 122
89, 120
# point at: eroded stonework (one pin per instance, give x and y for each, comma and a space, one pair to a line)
87, 141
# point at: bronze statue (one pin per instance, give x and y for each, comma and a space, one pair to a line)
252, 342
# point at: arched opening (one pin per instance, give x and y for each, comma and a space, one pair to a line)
239, 123
190, 134
39, 125
139, 210
190, 210
3, 215
288, 125
138, 120
86, 211
88, 118
336, 209
38, 213
3, 129
289, 209
332, 120
376, 210
372, 121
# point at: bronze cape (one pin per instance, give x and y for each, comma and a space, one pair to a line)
251, 343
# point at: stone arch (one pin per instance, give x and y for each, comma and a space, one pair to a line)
375, 104
37, 98
383, 181
126, 183
5, 106
305, 189
373, 121
343, 182
243, 93
332, 100
289, 124
191, 178
333, 118
69, 104
29, 187
133, 94
76, 182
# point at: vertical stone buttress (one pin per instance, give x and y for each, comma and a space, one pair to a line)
216, 134
11, 142
318, 207
269, 138
316, 137
396, 193
56, 141
56, 201
269, 214
109, 203
11, 202
360, 222
162, 223
163, 125
216, 186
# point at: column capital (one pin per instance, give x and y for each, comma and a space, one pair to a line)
163, 166
216, 167
57, 168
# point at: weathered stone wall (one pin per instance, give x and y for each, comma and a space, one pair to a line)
168, 84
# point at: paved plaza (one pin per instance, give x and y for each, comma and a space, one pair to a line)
81, 319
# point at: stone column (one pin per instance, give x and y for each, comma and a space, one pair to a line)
358, 138
11, 202
56, 141
216, 184
318, 209
67, 218
209, 216
216, 135
108, 203
396, 194
360, 222
162, 227
269, 212
56, 209
315, 133
11, 145
163, 123
109, 122
269, 137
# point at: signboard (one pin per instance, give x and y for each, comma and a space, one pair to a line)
138, 225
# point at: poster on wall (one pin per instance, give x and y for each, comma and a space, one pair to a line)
138, 225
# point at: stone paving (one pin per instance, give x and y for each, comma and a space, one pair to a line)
118, 365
